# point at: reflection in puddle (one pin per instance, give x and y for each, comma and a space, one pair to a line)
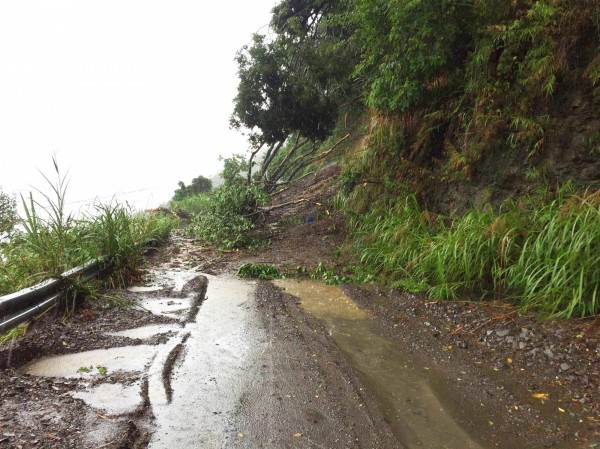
127, 358
144, 332
418, 417
209, 379
145, 289
166, 306
114, 399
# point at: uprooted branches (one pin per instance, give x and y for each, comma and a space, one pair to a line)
283, 161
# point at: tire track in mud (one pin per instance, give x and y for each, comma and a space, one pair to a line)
167, 371
197, 287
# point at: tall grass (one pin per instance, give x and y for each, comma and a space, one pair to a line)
558, 268
119, 235
541, 253
401, 228
191, 205
53, 241
52, 235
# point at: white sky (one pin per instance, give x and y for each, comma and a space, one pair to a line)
131, 95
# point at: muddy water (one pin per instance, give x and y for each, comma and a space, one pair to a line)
85, 364
406, 392
92, 366
113, 399
206, 379
145, 332
171, 307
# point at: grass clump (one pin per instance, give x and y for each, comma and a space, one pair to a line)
265, 272
541, 253
556, 270
120, 236
191, 205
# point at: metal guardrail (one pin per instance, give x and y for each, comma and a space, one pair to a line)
18, 307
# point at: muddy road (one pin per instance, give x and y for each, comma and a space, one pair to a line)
223, 367
203, 359
214, 361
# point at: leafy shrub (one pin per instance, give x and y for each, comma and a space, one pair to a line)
227, 219
228, 212
329, 276
261, 271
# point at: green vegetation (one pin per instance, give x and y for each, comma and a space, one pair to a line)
14, 334
198, 186
293, 85
52, 241
265, 272
473, 95
226, 215
328, 276
191, 205
541, 253
8, 214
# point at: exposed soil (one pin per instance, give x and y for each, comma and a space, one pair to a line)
540, 378
308, 395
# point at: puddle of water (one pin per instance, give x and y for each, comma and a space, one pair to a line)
171, 278
211, 375
166, 306
145, 289
113, 399
126, 358
145, 332
405, 392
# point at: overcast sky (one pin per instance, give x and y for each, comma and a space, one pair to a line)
131, 95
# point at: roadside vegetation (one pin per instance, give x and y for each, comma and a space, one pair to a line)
47, 240
224, 216
540, 252
265, 272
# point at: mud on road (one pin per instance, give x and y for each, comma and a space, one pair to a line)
220, 362
249, 370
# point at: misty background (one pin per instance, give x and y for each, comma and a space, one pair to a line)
129, 96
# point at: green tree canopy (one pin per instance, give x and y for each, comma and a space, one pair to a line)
199, 185
8, 213
293, 84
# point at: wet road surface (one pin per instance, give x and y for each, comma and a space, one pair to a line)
251, 369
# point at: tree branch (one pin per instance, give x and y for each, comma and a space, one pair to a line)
297, 145
254, 153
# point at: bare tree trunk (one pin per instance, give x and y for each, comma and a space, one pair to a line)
277, 172
252, 156
269, 157
304, 161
